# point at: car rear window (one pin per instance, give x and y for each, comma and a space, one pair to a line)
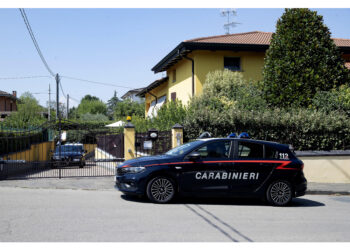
250, 150
280, 154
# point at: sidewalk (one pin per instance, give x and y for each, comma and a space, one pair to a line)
107, 183
328, 188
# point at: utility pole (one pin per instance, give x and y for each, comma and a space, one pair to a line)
59, 120
57, 96
67, 105
49, 106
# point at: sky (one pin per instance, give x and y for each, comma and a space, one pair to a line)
117, 46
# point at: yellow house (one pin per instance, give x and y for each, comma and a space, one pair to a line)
188, 64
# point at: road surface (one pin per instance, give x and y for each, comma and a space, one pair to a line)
52, 214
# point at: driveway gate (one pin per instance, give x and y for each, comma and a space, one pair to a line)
85, 151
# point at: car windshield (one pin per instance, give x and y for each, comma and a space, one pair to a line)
70, 148
182, 149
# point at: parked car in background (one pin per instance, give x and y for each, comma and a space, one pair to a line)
69, 154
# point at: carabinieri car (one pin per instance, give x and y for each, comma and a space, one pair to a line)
215, 167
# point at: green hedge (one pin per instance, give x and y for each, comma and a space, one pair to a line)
303, 129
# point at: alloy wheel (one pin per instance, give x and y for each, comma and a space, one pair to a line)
280, 193
162, 190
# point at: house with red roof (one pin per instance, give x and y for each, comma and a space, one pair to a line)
187, 65
8, 103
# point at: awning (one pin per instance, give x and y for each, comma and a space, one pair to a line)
116, 124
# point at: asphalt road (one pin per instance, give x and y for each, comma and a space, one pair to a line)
48, 214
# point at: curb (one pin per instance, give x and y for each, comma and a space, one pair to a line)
324, 192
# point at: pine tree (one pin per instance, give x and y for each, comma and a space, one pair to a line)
112, 104
301, 60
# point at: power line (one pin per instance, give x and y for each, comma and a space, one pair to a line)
22, 77
95, 82
64, 95
25, 19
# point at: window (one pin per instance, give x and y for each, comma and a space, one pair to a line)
232, 63
174, 75
173, 96
220, 149
250, 150
271, 153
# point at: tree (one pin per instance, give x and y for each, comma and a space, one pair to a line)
53, 107
112, 104
91, 104
302, 59
29, 113
128, 107
90, 98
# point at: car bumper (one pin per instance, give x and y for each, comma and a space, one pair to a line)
300, 189
129, 185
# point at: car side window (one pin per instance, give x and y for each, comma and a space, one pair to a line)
250, 150
271, 153
219, 149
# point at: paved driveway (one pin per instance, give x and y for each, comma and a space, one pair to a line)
47, 212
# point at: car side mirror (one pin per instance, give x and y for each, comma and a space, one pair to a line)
194, 156
85, 151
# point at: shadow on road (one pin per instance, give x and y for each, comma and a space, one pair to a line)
296, 202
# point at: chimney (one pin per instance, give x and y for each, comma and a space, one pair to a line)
14, 93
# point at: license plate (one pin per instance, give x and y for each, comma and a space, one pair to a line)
76, 159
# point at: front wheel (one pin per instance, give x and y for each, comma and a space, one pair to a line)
161, 189
279, 193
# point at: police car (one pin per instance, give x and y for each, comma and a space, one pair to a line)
216, 167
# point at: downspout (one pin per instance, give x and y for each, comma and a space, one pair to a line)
188, 58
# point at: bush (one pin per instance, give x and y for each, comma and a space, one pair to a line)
304, 129
226, 90
93, 117
336, 100
229, 104
128, 108
168, 115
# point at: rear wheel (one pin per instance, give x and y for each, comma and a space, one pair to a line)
279, 193
161, 189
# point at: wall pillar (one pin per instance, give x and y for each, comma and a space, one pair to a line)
177, 135
129, 141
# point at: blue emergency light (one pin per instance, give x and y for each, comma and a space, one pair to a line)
232, 135
244, 135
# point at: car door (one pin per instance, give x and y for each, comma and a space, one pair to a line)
250, 169
207, 175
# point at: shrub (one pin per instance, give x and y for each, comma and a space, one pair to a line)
303, 128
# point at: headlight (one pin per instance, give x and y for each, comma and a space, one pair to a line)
133, 170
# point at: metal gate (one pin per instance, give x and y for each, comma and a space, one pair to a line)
145, 145
59, 150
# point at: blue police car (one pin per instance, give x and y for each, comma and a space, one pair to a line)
216, 167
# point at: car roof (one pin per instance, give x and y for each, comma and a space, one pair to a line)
245, 139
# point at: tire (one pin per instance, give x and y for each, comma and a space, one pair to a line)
160, 189
279, 193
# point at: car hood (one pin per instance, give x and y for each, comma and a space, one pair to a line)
149, 160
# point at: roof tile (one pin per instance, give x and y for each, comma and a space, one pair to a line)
254, 37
